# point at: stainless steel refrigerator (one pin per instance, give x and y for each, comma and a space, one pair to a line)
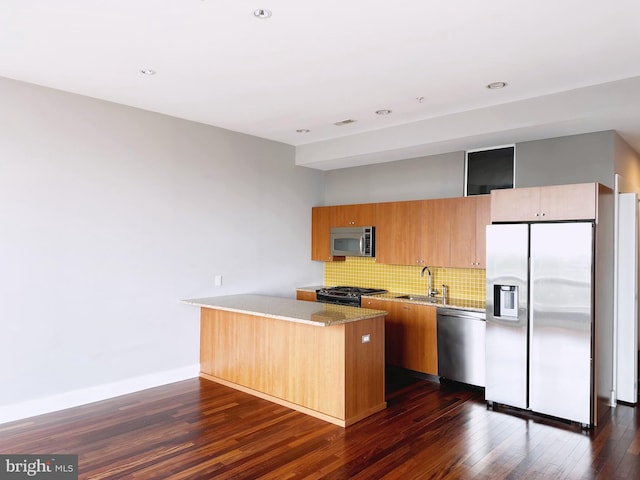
540, 318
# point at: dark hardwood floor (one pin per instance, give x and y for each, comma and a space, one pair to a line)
197, 429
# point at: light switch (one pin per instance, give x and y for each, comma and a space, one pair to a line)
217, 280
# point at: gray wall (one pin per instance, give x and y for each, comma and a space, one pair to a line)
109, 216
571, 159
437, 176
627, 165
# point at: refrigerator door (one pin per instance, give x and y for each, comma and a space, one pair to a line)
561, 306
506, 328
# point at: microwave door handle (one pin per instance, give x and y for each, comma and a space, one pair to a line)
362, 245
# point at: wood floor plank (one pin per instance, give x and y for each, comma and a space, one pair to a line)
198, 429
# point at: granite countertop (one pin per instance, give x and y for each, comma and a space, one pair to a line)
288, 309
457, 303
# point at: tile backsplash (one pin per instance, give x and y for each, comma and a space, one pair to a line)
463, 283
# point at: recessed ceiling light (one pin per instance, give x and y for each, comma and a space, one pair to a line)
384, 111
496, 85
303, 130
147, 71
262, 13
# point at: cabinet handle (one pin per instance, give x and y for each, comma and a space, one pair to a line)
542, 214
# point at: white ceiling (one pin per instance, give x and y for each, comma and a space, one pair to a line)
572, 66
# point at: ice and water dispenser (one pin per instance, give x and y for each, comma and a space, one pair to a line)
505, 301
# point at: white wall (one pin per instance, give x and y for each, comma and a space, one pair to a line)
109, 216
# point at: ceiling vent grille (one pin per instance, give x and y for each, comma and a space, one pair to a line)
344, 122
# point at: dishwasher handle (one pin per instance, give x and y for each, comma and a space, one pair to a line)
454, 312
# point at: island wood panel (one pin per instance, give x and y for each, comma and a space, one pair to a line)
298, 365
364, 366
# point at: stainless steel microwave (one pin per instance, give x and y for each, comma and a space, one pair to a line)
353, 241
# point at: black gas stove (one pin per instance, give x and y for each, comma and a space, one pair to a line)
345, 295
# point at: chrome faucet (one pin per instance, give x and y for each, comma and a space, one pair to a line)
430, 291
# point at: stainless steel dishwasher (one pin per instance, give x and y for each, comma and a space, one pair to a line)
461, 347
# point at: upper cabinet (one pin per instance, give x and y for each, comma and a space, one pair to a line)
362, 215
320, 234
324, 218
544, 204
469, 218
398, 232
413, 233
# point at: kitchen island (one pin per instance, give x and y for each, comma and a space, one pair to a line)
323, 360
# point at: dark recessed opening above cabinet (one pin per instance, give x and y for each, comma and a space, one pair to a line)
490, 169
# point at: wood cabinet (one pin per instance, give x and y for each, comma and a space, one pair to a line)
411, 339
398, 232
540, 204
305, 295
321, 219
413, 233
326, 372
360, 215
469, 218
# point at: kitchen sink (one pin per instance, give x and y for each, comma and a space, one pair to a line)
421, 298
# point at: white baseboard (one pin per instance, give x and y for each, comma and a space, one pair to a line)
74, 398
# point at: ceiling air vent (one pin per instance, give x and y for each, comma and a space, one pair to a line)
344, 122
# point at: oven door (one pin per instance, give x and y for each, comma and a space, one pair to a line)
338, 300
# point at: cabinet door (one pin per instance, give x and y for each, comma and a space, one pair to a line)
568, 202
411, 339
398, 232
419, 333
515, 205
361, 215
483, 218
392, 328
463, 232
320, 234
305, 295
435, 225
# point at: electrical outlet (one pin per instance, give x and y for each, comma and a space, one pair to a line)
217, 280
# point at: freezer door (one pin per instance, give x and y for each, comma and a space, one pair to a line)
506, 328
561, 320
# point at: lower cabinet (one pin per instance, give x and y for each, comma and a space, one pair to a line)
411, 339
306, 295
